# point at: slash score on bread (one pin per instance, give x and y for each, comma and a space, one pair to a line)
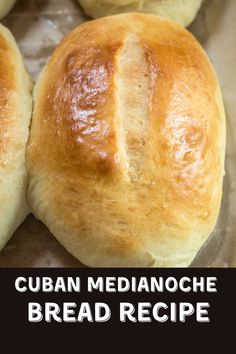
126, 151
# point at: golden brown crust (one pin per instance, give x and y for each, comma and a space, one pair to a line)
83, 144
15, 114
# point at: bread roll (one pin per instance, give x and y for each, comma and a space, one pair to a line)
15, 114
5, 7
126, 152
180, 11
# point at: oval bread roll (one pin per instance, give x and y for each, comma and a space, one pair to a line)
180, 11
5, 7
15, 114
126, 152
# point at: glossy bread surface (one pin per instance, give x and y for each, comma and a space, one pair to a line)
126, 153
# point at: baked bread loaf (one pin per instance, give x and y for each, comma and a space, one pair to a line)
5, 7
126, 151
15, 114
180, 11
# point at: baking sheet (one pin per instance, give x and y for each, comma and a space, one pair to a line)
38, 26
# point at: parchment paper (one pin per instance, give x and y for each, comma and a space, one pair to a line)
38, 26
